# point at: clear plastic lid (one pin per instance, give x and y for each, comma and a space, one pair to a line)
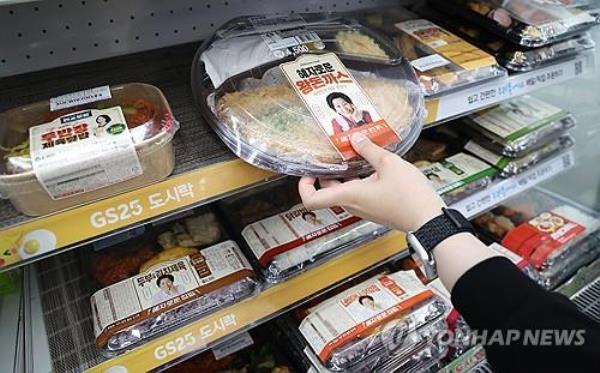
513, 166
525, 22
286, 97
145, 109
443, 61
541, 227
517, 127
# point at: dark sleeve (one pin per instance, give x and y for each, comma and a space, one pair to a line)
526, 328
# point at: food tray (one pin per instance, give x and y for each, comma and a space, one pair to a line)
152, 128
282, 250
509, 55
263, 120
546, 230
454, 174
523, 22
513, 166
517, 127
166, 276
443, 62
423, 319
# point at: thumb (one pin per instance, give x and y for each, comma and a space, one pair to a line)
373, 153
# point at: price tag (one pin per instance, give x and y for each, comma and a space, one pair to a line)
469, 100
504, 189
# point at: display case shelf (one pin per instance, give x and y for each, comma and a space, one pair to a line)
202, 160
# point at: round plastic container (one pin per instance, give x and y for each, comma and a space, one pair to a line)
246, 97
151, 125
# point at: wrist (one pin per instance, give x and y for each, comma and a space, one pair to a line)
423, 215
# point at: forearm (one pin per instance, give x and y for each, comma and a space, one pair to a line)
457, 254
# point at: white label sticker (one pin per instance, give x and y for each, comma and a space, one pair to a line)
453, 172
275, 22
483, 153
424, 31
519, 115
429, 62
232, 345
83, 151
80, 98
277, 40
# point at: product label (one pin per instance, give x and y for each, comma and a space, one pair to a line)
455, 172
294, 229
83, 151
485, 154
293, 41
79, 98
450, 46
164, 287
517, 117
361, 309
516, 259
429, 62
337, 102
537, 239
272, 22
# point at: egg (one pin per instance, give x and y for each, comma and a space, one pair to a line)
38, 242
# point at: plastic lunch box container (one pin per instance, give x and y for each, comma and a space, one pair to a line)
262, 120
152, 127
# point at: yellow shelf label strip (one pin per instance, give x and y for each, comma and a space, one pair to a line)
46, 234
199, 334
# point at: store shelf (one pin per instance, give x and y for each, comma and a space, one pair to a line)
503, 189
65, 287
474, 98
202, 160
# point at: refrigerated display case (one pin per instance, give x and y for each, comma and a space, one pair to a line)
59, 265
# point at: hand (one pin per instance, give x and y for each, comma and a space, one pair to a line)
397, 195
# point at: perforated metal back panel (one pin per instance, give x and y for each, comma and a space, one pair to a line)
42, 34
65, 290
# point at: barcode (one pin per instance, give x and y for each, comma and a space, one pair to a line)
567, 160
307, 37
578, 67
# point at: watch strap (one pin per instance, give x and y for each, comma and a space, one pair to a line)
449, 223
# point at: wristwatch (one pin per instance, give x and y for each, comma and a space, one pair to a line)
422, 241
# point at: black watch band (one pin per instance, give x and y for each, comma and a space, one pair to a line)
449, 223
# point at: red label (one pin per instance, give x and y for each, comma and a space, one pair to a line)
537, 239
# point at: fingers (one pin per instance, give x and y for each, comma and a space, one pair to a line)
373, 153
333, 194
328, 183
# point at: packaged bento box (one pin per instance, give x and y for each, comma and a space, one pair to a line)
511, 56
283, 238
443, 61
525, 22
361, 325
149, 285
555, 235
83, 146
287, 93
453, 173
298, 239
516, 127
513, 166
